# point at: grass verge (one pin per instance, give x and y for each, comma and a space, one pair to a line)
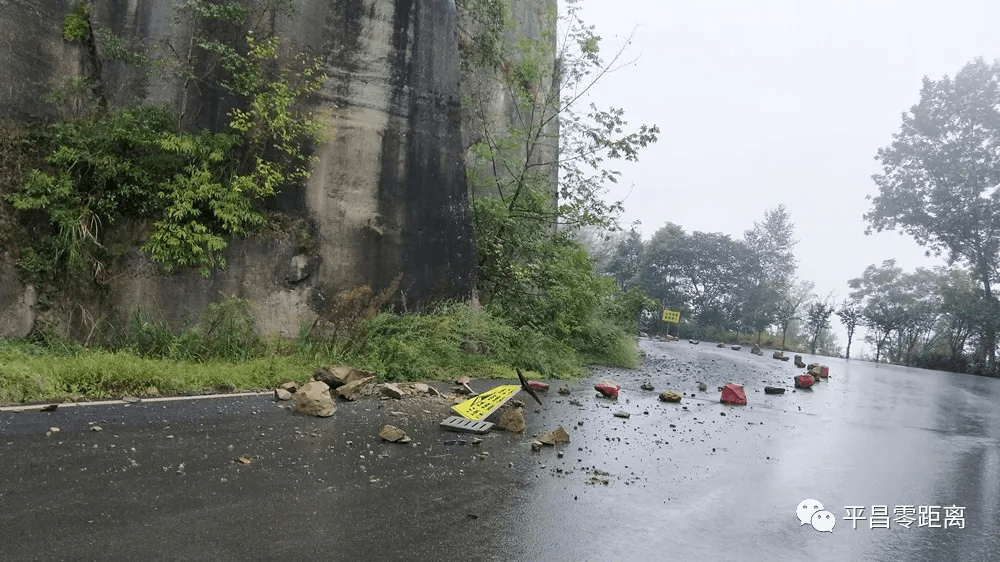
151, 360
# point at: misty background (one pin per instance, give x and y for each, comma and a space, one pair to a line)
779, 102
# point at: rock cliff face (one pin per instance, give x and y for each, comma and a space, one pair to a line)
388, 194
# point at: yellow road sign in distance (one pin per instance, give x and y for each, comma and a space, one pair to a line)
478, 407
673, 316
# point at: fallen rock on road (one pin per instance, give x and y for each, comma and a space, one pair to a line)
314, 399
670, 396
557, 435
393, 434
734, 394
607, 389
350, 390
804, 381
512, 420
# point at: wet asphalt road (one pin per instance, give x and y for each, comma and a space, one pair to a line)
161, 480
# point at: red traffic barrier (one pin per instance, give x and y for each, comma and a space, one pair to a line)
734, 394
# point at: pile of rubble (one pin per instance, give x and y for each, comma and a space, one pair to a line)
816, 373
318, 397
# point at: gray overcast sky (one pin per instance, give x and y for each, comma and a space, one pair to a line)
780, 101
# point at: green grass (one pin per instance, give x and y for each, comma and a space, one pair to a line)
27, 377
152, 360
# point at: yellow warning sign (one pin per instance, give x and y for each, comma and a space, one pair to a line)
482, 405
673, 316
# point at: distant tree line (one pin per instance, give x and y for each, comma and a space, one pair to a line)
939, 182
932, 318
734, 289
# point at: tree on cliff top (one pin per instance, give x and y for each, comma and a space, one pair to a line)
940, 179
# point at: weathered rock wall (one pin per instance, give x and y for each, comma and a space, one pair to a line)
495, 109
388, 194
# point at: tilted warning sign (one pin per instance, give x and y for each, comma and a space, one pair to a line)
673, 316
480, 406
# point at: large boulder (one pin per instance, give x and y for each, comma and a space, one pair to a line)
350, 390
734, 394
336, 376
314, 399
512, 420
393, 391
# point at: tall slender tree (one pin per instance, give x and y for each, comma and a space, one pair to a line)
770, 268
789, 304
817, 320
850, 316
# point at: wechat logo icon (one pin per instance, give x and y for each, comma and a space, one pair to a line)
811, 512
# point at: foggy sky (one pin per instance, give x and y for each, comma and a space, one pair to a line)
767, 101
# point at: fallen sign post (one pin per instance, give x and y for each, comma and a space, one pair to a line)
482, 405
526, 386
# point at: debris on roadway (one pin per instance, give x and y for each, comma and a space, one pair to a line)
670, 396
392, 391
393, 434
349, 391
512, 420
557, 435
607, 389
314, 399
458, 423
535, 385
336, 376
734, 394
804, 381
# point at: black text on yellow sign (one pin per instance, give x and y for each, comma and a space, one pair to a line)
478, 407
673, 316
